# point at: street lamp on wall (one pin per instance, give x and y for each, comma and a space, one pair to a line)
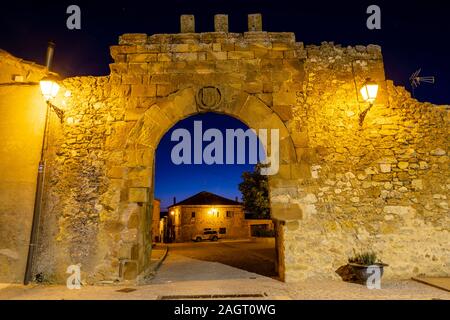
49, 89
369, 92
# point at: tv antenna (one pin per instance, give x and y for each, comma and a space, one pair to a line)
416, 80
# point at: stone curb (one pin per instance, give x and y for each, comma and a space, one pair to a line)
431, 283
155, 266
151, 270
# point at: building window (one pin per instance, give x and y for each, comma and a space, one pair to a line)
230, 214
222, 230
193, 214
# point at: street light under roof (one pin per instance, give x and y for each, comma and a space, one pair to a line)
49, 87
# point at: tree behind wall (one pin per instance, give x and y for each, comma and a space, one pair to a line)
255, 193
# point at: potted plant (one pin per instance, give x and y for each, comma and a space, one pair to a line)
360, 263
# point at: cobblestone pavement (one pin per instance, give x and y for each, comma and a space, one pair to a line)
180, 275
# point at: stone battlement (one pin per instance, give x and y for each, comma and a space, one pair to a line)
221, 33
223, 45
206, 46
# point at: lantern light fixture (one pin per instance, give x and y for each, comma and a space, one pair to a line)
369, 91
49, 87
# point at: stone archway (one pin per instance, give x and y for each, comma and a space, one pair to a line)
338, 190
146, 134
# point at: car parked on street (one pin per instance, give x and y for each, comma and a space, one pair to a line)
206, 235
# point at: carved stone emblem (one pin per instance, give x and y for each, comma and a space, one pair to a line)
209, 98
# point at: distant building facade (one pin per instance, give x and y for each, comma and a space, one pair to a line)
208, 211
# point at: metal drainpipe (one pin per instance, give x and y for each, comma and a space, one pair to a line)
39, 184
49, 57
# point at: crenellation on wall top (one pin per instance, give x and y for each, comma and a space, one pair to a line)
221, 33
223, 45
187, 23
221, 23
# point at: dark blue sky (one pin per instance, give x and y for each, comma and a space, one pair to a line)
414, 32
184, 181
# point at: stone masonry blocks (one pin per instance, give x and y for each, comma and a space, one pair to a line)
335, 177
138, 195
187, 22
221, 23
255, 22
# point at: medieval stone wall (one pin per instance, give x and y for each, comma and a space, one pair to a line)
113, 126
382, 185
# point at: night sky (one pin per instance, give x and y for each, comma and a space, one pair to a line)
414, 34
183, 181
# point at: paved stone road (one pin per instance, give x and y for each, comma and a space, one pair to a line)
181, 275
256, 256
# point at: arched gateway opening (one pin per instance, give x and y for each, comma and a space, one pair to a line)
203, 208
157, 120
100, 169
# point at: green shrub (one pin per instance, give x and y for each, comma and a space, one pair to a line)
366, 258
